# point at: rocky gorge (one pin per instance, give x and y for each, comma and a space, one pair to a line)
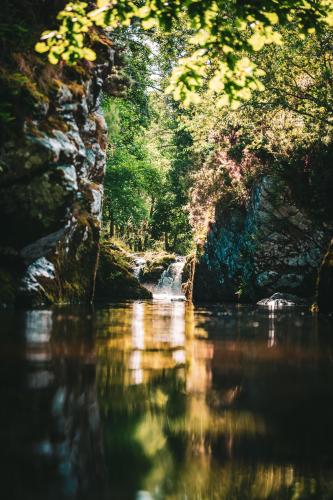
51, 177
52, 166
270, 246
166, 251
52, 189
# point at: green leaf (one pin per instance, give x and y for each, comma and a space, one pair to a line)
272, 17
89, 54
257, 41
147, 24
53, 58
41, 47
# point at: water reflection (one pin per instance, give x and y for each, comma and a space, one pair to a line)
166, 401
271, 329
38, 326
51, 441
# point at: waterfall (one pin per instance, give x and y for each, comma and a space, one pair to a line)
170, 282
169, 286
139, 264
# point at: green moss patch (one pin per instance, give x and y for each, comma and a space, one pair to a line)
156, 264
114, 279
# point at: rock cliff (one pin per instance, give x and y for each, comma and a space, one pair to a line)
271, 245
51, 177
324, 294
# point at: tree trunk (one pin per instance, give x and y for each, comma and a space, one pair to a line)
112, 229
175, 241
166, 242
152, 207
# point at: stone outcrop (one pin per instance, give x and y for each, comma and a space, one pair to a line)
115, 279
154, 266
188, 276
269, 246
51, 182
281, 300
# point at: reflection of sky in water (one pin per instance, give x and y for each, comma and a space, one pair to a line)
177, 324
38, 334
134, 364
38, 326
179, 357
157, 334
271, 329
138, 327
138, 343
39, 356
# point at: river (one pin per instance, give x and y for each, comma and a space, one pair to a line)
164, 400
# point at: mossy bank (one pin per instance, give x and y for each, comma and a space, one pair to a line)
115, 280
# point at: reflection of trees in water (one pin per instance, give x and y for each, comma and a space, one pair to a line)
184, 413
187, 425
50, 424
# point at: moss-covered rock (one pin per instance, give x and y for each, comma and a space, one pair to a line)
52, 162
114, 280
269, 245
155, 265
188, 276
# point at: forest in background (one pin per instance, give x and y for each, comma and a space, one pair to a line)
169, 165
149, 152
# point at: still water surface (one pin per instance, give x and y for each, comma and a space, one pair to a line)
153, 400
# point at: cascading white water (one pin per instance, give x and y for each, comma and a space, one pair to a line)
139, 264
170, 282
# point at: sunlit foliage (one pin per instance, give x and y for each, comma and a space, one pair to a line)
146, 183
271, 61
285, 130
223, 30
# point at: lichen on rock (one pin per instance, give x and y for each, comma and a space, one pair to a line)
52, 170
269, 246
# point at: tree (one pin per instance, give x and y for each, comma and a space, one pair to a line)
223, 30
286, 129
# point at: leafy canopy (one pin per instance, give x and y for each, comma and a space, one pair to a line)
223, 31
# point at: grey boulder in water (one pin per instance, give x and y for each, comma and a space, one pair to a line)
281, 299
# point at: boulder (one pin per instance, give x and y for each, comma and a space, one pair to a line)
115, 280
281, 300
154, 267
